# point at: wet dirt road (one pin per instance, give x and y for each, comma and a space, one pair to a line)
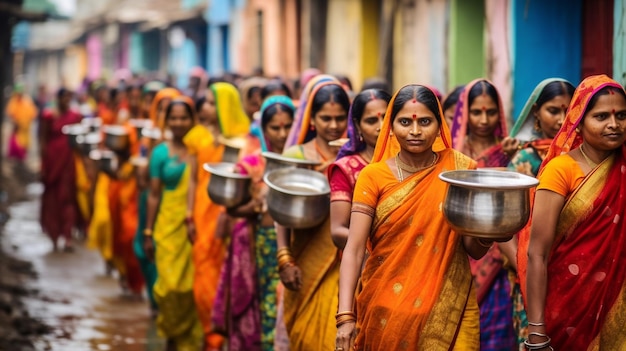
83, 307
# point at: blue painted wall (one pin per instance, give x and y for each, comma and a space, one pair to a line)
219, 16
547, 42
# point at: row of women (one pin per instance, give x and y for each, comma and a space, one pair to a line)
385, 271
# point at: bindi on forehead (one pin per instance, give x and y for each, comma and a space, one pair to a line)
613, 111
281, 124
414, 116
484, 108
379, 114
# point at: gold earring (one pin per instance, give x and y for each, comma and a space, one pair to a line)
537, 125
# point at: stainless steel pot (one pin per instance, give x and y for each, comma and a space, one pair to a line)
88, 142
73, 131
277, 161
232, 146
226, 187
297, 198
140, 124
107, 161
116, 138
93, 123
486, 203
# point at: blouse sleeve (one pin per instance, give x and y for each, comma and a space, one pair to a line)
157, 161
366, 192
560, 175
340, 187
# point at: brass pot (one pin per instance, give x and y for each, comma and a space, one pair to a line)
226, 187
486, 203
276, 161
297, 198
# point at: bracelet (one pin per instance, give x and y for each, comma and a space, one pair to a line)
345, 319
147, 232
537, 324
483, 244
345, 313
537, 346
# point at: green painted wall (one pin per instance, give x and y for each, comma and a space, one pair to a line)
466, 49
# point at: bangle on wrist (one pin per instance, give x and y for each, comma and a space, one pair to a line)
540, 324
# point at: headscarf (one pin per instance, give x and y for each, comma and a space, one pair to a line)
524, 128
567, 138
230, 113
167, 93
355, 143
269, 102
460, 123
300, 130
387, 145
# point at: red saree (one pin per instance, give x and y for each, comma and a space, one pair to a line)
59, 209
586, 293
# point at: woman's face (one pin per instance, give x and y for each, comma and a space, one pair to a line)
372, 119
483, 116
448, 115
253, 104
179, 121
551, 115
210, 108
415, 127
330, 122
604, 126
277, 130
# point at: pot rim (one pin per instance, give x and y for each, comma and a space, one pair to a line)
292, 192
151, 132
296, 161
115, 130
211, 168
75, 129
525, 181
234, 142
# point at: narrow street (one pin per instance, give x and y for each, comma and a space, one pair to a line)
83, 307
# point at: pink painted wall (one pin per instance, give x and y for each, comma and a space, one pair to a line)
94, 57
499, 61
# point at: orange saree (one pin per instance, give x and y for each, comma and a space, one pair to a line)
416, 284
207, 251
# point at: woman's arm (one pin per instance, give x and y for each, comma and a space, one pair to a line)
249, 209
340, 222
509, 250
349, 273
154, 199
191, 197
290, 275
475, 247
547, 207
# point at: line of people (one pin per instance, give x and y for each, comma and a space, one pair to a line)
384, 270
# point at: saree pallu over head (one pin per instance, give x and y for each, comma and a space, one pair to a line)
231, 115
285, 101
416, 282
493, 157
300, 131
586, 293
167, 93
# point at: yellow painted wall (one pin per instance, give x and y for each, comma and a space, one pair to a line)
370, 38
344, 36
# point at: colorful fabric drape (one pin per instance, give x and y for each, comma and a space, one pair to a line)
148, 268
527, 161
173, 290
100, 232
270, 101
308, 312
494, 332
301, 132
167, 93
59, 210
233, 119
355, 143
342, 176
417, 288
208, 251
22, 111
587, 256
492, 157
124, 218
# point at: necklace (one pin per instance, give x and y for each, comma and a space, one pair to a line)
400, 166
589, 162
